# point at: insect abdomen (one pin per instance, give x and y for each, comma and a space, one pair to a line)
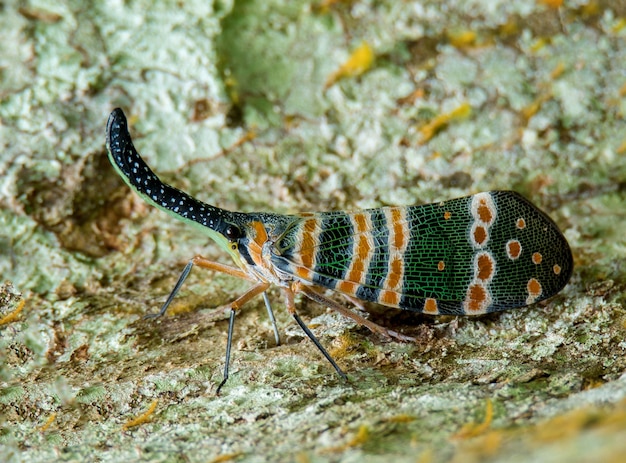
483, 253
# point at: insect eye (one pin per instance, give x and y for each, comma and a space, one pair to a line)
232, 232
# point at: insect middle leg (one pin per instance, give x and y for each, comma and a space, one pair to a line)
257, 289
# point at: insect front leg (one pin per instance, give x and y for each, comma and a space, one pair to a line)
204, 263
315, 295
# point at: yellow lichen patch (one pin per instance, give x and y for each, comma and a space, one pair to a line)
470, 430
558, 70
232, 89
619, 25
246, 137
342, 345
143, 418
429, 130
561, 431
590, 9
326, 5
509, 28
481, 447
359, 438
48, 422
360, 61
402, 418
462, 39
12, 316
545, 94
566, 425
551, 3
534, 107
621, 149
411, 98
426, 456
539, 44
226, 457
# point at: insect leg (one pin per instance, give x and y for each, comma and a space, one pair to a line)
315, 295
200, 262
355, 302
229, 342
270, 313
291, 306
234, 306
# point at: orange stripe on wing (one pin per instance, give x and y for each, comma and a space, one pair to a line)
362, 248
308, 243
399, 228
398, 240
396, 271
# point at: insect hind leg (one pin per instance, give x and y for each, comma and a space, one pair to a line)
316, 296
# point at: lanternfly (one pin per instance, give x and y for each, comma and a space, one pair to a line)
483, 253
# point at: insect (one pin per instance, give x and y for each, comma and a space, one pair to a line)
483, 253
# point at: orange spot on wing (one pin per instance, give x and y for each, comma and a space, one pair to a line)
485, 267
513, 249
534, 287
556, 268
537, 258
430, 306
484, 212
534, 290
476, 299
389, 298
441, 265
447, 215
480, 235
520, 223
